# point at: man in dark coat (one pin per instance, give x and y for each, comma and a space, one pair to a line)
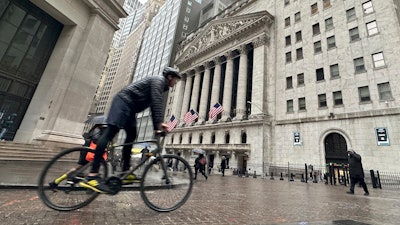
356, 172
223, 165
132, 99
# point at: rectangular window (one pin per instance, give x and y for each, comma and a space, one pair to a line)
289, 106
327, 4
287, 22
288, 57
317, 47
314, 8
351, 15
385, 92
186, 19
372, 28
300, 79
363, 92
367, 7
297, 17
299, 53
329, 23
378, 60
337, 98
322, 101
331, 42
334, 71
320, 74
359, 65
302, 103
354, 34
288, 40
315, 29
299, 37
289, 82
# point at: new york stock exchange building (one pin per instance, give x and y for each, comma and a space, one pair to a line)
284, 102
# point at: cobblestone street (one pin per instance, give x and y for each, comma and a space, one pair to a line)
220, 200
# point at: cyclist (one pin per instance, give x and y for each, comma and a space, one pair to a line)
130, 100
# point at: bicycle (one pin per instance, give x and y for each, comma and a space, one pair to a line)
163, 187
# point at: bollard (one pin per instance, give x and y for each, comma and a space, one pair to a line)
302, 178
315, 178
272, 176
281, 177
254, 175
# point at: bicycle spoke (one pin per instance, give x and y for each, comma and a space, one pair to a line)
166, 193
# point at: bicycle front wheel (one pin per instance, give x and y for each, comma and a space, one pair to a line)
58, 185
169, 190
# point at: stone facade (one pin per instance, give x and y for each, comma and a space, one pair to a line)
351, 104
63, 97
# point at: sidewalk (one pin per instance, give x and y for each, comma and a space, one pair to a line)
221, 200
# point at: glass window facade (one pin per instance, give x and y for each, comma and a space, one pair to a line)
28, 36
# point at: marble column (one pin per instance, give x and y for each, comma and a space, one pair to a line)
196, 89
216, 83
227, 98
242, 84
186, 97
204, 94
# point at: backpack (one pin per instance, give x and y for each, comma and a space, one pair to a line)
203, 161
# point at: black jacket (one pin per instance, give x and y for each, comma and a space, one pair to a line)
355, 166
145, 93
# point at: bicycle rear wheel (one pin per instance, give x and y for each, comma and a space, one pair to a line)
67, 195
165, 195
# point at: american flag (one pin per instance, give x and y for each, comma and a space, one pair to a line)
190, 116
171, 123
215, 110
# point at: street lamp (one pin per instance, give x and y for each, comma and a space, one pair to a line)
264, 115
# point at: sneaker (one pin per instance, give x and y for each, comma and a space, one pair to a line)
96, 184
131, 178
350, 193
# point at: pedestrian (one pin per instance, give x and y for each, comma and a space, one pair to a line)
200, 166
356, 171
130, 100
223, 165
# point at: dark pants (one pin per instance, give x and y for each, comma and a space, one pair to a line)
202, 171
120, 116
354, 180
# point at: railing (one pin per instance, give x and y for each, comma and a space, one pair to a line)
320, 173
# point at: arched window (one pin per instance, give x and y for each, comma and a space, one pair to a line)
201, 138
190, 138
180, 139
244, 137
213, 138
172, 139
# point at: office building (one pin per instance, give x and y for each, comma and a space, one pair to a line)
300, 83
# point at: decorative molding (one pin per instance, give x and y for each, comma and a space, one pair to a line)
220, 32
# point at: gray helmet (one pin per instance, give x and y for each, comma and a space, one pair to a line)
171, 71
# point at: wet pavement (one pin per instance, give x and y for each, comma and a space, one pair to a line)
220, 200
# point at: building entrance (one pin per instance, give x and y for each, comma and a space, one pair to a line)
336, 158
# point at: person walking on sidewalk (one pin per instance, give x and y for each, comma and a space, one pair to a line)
200, 166
356, 172
132, 99
223, 165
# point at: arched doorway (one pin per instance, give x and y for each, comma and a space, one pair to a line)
335, 148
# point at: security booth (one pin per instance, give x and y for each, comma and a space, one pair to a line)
338, 173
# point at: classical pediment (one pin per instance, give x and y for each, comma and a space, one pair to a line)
220, 31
